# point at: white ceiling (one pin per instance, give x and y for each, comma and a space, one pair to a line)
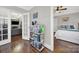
19, 9
26, 7
14, 11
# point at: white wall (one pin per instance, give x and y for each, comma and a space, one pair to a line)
55, 24
44, 18
73, 19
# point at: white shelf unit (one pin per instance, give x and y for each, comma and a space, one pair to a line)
41, 41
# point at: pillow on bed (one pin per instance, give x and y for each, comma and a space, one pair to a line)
63, 27
71, 27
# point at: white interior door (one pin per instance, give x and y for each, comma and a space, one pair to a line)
5, 30
25, 26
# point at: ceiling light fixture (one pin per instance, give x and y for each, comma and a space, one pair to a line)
59, 9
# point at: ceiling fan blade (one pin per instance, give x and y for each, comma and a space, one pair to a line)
64, 9
57, 9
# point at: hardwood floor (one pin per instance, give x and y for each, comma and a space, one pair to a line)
23, 46
61, 46
20, 46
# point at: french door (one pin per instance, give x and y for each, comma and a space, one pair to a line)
5, 30
25, 26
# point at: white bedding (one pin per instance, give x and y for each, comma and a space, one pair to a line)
71, 36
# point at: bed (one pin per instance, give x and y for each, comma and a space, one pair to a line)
68, 35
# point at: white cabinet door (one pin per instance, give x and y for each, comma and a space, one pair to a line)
25, 26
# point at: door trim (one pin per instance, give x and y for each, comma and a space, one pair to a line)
28, 36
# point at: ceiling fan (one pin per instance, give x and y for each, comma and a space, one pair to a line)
60, 8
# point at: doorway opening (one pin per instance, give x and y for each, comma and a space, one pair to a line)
16, 29
20, 28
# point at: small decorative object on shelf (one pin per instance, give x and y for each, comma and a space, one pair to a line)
37, 36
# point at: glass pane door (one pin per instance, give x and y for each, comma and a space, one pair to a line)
4, 31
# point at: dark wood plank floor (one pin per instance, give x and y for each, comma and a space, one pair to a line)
61, 46
23, 46
19, 46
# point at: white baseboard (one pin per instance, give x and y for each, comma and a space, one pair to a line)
5, 42
48, 46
